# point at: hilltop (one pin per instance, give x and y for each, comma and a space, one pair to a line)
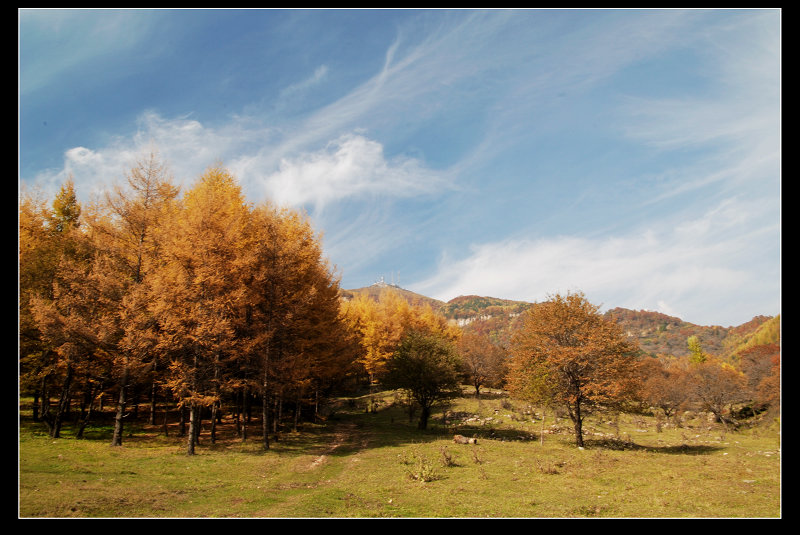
374, 291
656, 333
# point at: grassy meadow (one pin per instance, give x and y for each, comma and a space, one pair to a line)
377, 464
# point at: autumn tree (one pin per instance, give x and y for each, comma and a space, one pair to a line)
425, 318
761, 366
716, 385
379, 326
195, 293
664, 387
426, 365
567, 353
66, 208
321, 346
38, 262
696, 353
55, 258
483, 362
65, 325
205, 295
126, 229
295, 335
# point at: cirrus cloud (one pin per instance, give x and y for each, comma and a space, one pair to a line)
688, 270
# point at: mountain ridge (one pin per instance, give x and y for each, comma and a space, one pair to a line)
656, 332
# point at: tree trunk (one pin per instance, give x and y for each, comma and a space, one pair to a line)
423, 417
215, 404
182, 421
36, 405
214, 411
153, 404
541, 434
87, 415
62, 404
265, 412
166, 415
296, 413
116, 439
577, 421
45, 414
248, 406
237, 411
192, 435
277, 413
578, 433
198, 426
246, 412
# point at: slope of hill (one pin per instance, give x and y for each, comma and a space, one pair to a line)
656, 333
467, 308
374, 291
659, 333
765, 333
488, 316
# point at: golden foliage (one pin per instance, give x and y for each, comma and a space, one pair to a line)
202, 294
566, 353
381, 325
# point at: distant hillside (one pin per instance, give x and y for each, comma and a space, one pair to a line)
489, 316
375, 290
471, 307
766, 333
656, 333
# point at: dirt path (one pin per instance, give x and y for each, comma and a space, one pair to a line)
346, 433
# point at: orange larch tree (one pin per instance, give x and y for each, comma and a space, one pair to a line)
196, 292
295, 335
38, 262
57, 258
761, 365
126, 229
377, 331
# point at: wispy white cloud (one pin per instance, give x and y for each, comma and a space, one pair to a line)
351, 166
710, 253
184, 143
510, 80
319, 74
56, 41
691, 270
93, 171
735, 120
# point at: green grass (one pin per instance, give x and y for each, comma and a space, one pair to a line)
378, 464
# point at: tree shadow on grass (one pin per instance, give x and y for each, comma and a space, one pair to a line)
491, 433
623, 445
346, 433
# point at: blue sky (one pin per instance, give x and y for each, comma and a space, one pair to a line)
633, 155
